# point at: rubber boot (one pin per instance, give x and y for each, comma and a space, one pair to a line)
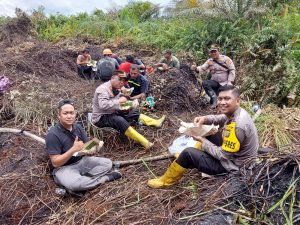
134, 135
171, 176
148, 121
213, 97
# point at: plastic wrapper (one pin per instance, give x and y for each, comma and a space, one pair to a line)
191, 130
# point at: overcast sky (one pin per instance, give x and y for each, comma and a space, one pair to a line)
67, 7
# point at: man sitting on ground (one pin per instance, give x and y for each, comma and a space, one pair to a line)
169, 61
75, 173
130, 59
106, 66
84, 71
125, 66
220, 153
222, 72
138, 82
106, 110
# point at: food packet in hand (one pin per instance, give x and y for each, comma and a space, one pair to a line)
127, 91
128, 105
191, 130
90, 147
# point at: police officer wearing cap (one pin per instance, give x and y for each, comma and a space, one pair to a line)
108, 112
222, 72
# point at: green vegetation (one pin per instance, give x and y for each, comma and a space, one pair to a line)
262, 36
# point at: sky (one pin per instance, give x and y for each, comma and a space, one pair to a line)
66, 7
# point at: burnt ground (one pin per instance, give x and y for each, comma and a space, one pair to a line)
42, 73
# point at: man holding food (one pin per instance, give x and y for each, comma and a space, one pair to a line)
223, 152
83, 67
63, 143
108, 111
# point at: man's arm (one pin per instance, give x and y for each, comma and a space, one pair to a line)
60, 160
176, 63
140, 96
116, 64
210, 119
81, 61
106, 103
160, 62
231, 68
203, 68
54, 149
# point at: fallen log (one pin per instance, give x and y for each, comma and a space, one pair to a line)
116, 163
26, 133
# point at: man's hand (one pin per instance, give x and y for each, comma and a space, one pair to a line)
122, 99
229, 83
199, 120
198, 138
77, 145
194, 67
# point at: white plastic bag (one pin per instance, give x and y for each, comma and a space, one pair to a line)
181, 143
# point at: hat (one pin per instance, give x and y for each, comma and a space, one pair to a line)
107, 51
120, 74
214, 47
168, 51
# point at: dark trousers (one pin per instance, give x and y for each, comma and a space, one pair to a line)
84, 71
192, 158
119, 120
209, 86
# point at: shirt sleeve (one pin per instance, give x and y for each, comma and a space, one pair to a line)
116, 64
204, 68
53, 144
144, 85
231, 68
216, 119
176, 63
106, 103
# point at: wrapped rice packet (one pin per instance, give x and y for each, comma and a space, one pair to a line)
91, 147
191, 130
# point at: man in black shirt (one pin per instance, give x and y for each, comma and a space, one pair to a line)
138, 82
75, 173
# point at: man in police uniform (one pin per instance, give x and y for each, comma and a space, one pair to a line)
222, 72
223, 152
107, 110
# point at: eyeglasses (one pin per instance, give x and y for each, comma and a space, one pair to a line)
212, 51
63, 102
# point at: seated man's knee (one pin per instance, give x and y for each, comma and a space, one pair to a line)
187, 153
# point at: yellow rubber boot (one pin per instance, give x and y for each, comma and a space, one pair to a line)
171, 176
148, 121
136, 136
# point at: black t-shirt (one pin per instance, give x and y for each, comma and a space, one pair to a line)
59, 140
